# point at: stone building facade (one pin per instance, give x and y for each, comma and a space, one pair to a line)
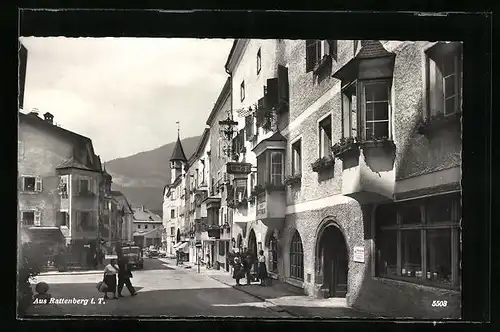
61, 188
347, 158
174, 200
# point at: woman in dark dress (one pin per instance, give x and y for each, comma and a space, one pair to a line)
110, 272
238, 271
262, 272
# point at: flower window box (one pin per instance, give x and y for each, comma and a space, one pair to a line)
323, 163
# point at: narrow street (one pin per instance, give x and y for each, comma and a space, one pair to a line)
162, 290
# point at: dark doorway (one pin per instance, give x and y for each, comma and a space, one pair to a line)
178, 235
334, 262
252, 248
227, 256
252, 242
239, 242
212, 255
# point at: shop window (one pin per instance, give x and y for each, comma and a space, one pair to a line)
296, 257
420, 241
28, 218
376, 109
259, 62
297, 157
325, 136
444, 78
273, 254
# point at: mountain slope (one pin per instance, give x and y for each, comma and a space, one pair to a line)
142, 177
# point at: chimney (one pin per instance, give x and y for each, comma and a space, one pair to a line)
143, 207
34, 112
49, 117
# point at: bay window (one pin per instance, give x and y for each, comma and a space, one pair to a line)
376, 109
276, 168
419, 240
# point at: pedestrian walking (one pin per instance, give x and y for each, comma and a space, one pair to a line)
110, 272
262, 270
238, 270
124, 275
208, 262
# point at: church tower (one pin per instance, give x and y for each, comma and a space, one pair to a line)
178, 159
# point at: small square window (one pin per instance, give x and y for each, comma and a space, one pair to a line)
29, 183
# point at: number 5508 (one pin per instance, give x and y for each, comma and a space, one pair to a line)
439, 303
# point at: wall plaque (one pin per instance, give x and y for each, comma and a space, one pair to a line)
359, 254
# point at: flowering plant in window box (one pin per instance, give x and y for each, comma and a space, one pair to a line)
344, 146
293, 179
273, 187
375, 142
437, 122
242, 204
322, 63
323, 163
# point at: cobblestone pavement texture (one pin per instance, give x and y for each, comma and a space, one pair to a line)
176, 291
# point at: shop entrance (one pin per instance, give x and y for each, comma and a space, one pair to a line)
334, 262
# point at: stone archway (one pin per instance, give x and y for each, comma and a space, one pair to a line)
178, 237
332, 261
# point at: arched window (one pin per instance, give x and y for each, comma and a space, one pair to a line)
296, 257
273, 253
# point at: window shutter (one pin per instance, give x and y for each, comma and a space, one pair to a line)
435, 88
38, 217
38, 184
283, 83
310, 54
20, 183
332, 48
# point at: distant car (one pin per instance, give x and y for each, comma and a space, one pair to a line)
135, 256
162, 252
153, 253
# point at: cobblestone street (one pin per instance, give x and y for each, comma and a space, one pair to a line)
167, 290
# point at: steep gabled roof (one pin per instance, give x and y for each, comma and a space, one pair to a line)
143, 214
372, 49
276, 137
72, 163
178, 153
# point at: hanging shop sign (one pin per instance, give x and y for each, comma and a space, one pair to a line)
238, 168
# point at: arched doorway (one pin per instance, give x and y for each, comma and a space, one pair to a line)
178, 235
252, 242
296, 257
334, 262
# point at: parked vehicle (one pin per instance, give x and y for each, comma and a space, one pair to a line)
135, 256
153, 253
162, 252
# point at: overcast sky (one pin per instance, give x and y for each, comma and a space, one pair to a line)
125, 93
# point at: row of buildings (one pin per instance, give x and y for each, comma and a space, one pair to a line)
64, 192
341, 160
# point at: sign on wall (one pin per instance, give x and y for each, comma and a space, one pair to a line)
238, 168
359, 254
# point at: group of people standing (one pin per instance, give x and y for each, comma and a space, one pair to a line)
242, 267
118, 268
